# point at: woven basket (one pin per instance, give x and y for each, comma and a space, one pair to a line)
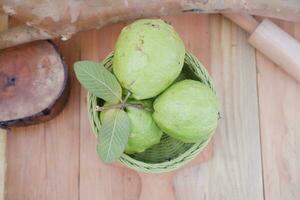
169, 154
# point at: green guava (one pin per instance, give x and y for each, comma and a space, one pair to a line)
148, 57
144, 132
187, 111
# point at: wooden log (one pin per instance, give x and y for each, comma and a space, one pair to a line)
45, 19
33, 84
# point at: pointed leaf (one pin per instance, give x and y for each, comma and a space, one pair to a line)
113, 136
98, 80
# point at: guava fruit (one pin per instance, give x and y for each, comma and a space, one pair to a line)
144, 132
187, 111
148, 57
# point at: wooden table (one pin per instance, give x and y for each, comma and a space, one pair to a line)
254, 155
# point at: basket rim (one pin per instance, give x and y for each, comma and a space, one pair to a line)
195, 65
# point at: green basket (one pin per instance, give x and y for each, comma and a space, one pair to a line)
170, 153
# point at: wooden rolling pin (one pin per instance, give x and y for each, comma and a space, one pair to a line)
272, 41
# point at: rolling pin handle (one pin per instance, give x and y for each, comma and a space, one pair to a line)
246, 22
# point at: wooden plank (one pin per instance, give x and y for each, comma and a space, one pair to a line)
97, 180
3, 139
194, 30
279, 97
43, 160
235, 171
3, 133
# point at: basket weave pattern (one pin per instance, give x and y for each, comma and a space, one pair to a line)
169, 154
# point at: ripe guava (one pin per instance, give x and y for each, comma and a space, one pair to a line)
148, 57
187, 111
144, 132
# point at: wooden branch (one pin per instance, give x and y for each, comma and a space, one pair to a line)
17, 35
64, 18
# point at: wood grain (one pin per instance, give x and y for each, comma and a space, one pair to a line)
3, 133
58, 160
235, 171
279, 97
43, 160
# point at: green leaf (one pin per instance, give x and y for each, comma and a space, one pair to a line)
113, 136
98, 80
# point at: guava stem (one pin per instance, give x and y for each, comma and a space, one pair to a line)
98, 108
127, 96
135, 105
120, 106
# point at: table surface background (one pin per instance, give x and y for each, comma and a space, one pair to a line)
254, 155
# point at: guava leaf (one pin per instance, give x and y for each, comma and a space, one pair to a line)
113, 135
98, 80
